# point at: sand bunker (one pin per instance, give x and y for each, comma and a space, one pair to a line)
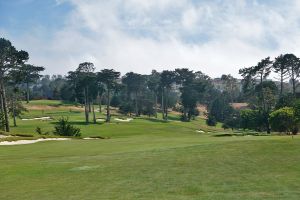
38, 118
4, 136
200, 131
123, 120
19, 142
89, 138
100, 120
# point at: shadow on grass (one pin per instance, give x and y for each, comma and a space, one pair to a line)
79, 123
153, 120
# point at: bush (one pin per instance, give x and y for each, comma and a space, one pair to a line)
211, 121
39, 130
126, 108
283, 120
232, 122
115, 101
63, 128
252, 120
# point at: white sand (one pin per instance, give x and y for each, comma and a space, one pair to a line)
200, 131
19, 142
38, 118
4, 136
88, 138
100, 120
123, 120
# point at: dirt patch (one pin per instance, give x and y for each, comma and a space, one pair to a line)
240, 106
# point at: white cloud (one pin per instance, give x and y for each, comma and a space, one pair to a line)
215, 37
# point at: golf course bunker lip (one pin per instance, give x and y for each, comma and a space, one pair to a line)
20, 142
123, 120
90, 138
5, 136
38, 118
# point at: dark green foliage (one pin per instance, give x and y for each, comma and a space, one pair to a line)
126, 108
283, 120
211, 121
193, 85
231, 122
220, 108
115, 101
64, 128
38, 130
148, 108
251, 119
286, 100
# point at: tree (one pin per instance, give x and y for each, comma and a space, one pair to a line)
230, 86
109, 78
167, 78
280, 66
211, 121
153, 83
220, 108
86, 78
285, 100
134, 83
293, 69
10, 59
29, 74
260, 72
251, 119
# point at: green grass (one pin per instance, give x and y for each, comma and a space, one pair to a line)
48, 102
149, 159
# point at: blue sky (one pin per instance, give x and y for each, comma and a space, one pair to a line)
214, 36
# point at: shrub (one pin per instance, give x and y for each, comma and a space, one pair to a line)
63, 128
39, 130
252, 119
126, 108
232, 121
283, 120
211, 121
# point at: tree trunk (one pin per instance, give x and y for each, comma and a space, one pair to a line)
94, 115
100, 102
88, 100
136, 104
14, 110
281, 83
1, 112
293, 82
267, 123
108, 106
162, 104
155, 104
184, 114
6, 118
294, 87
27, 92
86, 106
166, 104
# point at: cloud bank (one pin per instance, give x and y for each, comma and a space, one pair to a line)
213, 36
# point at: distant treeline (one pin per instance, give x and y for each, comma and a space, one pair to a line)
181, 90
